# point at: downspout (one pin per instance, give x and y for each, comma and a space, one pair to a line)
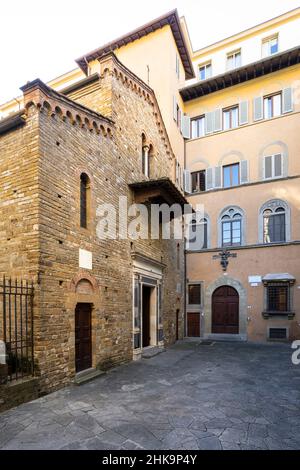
184, 256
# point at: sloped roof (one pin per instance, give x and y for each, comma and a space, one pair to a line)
171, 19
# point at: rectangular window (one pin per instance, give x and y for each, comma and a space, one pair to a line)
198, 181
177, 66
198, 127
278, 297
272, 106
178, 117
230, 118
231, 233
273, 166
231, 175
234, 60
270, 46
205, 71
194, 294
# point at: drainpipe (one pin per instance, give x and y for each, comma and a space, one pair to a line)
184, 256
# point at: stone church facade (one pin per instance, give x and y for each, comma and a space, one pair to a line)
110, 290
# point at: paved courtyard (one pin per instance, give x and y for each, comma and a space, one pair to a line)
222, 396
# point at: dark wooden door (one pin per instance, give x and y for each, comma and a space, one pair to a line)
146, 316
177, 325
225, 311
193, 324
83, 337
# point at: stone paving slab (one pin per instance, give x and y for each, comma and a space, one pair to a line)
227, 396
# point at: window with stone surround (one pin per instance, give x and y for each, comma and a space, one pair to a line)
85, 187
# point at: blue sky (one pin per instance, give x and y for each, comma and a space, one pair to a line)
41, 39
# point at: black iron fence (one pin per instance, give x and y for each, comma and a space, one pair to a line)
16, 326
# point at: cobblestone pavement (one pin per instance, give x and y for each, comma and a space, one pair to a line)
223, 396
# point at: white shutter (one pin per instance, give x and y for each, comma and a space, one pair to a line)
209, 123
174, 108
217, 120
287, 100
278, 165
209, 179
243, 112
218, 177
186, 127
268, 164
258, 108
187, 181
244, 168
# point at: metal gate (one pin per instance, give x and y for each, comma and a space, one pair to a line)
16, 326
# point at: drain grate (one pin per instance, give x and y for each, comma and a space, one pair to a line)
206, 342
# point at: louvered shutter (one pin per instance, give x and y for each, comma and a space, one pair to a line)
244, 171
268, 167
217, 120
258, 108
243, 113
287, 100
187, 181
209, 179
186, 127
277, 165
209, 123
218, 177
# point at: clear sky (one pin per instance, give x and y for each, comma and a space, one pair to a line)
42, 38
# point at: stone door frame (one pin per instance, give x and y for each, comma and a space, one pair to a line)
243, 310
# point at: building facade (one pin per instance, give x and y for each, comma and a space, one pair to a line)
147, 118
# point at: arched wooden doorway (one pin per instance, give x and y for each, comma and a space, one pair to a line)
225, 311
83, 336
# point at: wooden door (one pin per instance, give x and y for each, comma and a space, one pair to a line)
83, 337
225, 311
193, 324
146, 316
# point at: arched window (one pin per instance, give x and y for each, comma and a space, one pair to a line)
274, 222
84, 200
198, 235
231, 230
145, 160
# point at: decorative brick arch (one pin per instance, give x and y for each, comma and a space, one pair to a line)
83, 276
243, 312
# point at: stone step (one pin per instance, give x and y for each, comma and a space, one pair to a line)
152, 352
87, 376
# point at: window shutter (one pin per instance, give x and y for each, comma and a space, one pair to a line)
209, 123
218, 177
243, 112
278, 165
217, 120
186, 127
287, 100
174, 108
187, 181
244, 171
268, 167
258, 108
209, 178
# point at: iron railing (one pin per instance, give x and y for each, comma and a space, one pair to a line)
16, 327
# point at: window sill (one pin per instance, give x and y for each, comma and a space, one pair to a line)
289, 315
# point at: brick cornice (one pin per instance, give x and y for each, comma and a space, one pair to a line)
37, 94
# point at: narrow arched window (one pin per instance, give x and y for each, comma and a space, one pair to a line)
84, 200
